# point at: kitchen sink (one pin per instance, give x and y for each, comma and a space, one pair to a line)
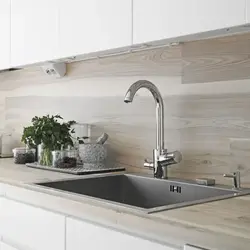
143, 193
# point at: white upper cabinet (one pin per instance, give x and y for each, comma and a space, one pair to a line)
34, 31
156, 20
203, 15
94, 25
4, 34
162, 19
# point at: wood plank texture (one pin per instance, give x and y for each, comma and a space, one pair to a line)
219, 59
158, 62
227, 217
203, 128
209, 123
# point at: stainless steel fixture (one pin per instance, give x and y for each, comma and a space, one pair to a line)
161, 158
205, 181
142, 194
236, 179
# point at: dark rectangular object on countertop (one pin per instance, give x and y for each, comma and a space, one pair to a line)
79, 170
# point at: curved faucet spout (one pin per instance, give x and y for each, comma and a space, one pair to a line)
159, 108
161, 158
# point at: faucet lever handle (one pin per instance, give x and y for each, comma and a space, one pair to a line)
170, 158
148, 164
236, 178
164, 151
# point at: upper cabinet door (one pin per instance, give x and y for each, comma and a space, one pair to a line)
34, 31
94, 25
156, 20
163, 19
5, 34
203, 15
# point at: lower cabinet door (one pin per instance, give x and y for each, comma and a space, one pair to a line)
1, 189
1, 224
82, 235
4, 246
29, 227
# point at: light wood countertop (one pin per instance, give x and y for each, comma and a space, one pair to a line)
219, 225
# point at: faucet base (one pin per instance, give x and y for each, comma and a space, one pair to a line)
164, 173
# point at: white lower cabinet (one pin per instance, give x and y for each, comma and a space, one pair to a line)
24, 227
29, 227
82, 235
4, 246
1, 190
1, 225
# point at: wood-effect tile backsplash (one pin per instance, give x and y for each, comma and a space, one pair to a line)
209, 122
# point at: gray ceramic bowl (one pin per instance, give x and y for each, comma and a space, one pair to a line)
92, 152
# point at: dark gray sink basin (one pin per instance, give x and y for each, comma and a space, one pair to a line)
147, 194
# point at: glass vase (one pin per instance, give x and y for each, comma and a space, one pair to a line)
57, 157
45, 158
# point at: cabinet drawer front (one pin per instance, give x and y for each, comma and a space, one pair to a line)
92, 237
1, 224
31, 227
4, 246
1, 189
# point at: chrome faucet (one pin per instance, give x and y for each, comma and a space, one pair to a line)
161, 158
236, 179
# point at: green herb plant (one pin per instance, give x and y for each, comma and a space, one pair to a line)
51, 132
